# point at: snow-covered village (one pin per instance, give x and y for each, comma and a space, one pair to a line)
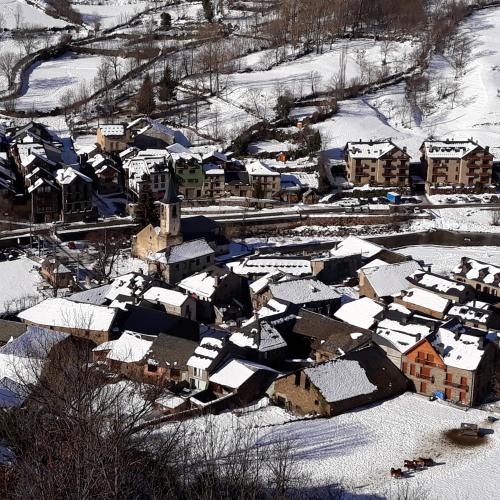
249, 249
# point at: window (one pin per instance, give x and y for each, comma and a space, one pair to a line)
449, 378
430, 357
423, 387
307, 383
152, 368
316, 402
297, 379
405, 367
463, 380
412, 369
174, 211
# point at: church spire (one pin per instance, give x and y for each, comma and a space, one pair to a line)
170, 195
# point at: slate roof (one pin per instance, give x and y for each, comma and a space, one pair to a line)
171, 351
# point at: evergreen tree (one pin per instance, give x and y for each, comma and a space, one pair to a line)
284, 105
168, 86
166, 21
145, 210
208, 9
145, 98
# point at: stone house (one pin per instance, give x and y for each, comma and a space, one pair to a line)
483, 277
216, 287
237, 183
55, 272
264, 181
45, 200
180, 261
214, 185
124, 355
423, 302
380, 163
379, 280
76, 192
456, 162
206, 358
326, 338
333, 387
308, 293
174, 302
147, 133
445, 287
166, 360
113, 138
454, 361
482, 318
87, 321
188, 170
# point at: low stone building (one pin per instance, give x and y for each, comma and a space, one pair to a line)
113, 138
445, 287
424, 302
357, 379
174, 302
87, 321
483, 277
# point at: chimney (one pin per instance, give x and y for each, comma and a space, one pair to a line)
429, 268
418, 337
480, 344
457, 335
405, 149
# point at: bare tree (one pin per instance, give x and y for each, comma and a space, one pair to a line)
7, 63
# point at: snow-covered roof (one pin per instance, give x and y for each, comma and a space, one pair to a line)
236, 372
458, 350
69, 174
184, 251
436, 283
375, 263
165, 296
112, 130
479, 271
402, 336
129, 348
260, 284
390, 279
205, 353
256, 265
259, 168
129, 285
302, 291
202, 284
340, 379
370, 150
353, 245
263, 337
469, 313
64, 313
449, 149
360, 313
423, 298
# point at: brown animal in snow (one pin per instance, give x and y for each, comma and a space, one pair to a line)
397, 473
410, 465
428, 462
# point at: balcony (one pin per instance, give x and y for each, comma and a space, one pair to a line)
430, 378
426, 362
462, 387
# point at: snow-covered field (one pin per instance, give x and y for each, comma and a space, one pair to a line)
474, 113
469, 219
111, 12
17, 13
49, 80
444, 258
252, 95
358, 448
24, 274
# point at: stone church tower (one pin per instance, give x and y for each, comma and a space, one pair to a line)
154, 239
170, 213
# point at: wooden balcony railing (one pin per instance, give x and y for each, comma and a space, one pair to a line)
462, 387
